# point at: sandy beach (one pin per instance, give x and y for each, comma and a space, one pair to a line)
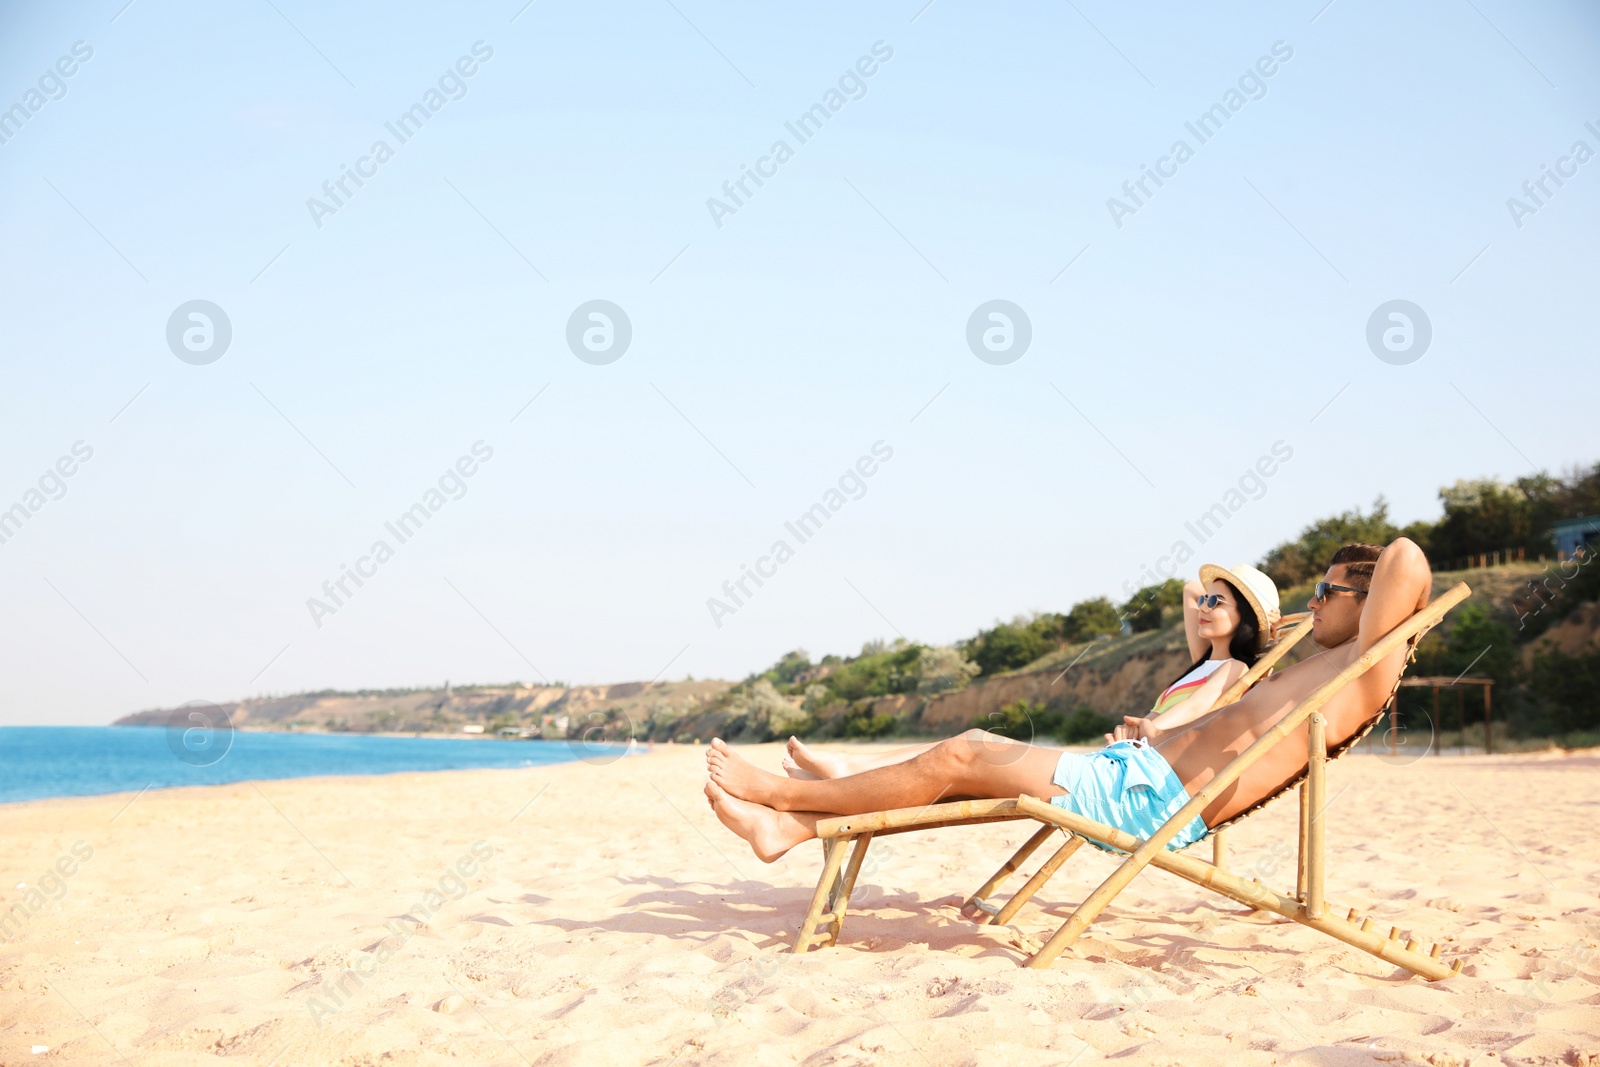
599, 914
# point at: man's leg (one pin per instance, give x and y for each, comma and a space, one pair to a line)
768, 833
976, 764
801, 762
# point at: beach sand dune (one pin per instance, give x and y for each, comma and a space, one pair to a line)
599, 914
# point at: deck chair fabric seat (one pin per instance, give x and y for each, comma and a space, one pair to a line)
825, 918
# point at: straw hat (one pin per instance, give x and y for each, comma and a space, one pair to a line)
1256, 588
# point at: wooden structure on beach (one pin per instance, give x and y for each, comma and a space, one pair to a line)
1436, 684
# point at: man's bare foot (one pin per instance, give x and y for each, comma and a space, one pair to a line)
803, 763
735, 774
768, 833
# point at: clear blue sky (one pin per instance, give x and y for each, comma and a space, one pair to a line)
769, 353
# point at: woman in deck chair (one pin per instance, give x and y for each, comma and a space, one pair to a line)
1133, 787
1228, 616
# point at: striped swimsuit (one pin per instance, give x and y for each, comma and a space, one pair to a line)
1185, 687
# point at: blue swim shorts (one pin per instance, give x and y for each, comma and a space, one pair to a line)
1128, 785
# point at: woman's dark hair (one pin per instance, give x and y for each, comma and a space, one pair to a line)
1246, 644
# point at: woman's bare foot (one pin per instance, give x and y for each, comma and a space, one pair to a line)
768, 833
793, 770
735, 774
803, 763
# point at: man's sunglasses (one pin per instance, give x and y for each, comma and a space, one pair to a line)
1209, 600
1324, 588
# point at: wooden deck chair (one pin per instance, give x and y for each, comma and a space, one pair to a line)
977, 906
1307, 907
835, 886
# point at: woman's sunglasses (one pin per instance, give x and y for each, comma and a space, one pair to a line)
1324, 588
1209, 600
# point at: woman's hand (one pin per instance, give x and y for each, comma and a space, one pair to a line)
1274, 624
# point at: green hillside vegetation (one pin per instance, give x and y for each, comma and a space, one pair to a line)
512, 709
1539, 692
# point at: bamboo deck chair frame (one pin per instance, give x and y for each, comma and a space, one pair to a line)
842, 883
1308, 906
977, 907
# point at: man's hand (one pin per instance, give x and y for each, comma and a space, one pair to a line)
1135, 728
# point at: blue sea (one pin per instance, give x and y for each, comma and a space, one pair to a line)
75, 761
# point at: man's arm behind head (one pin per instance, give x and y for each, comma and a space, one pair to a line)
1401, 584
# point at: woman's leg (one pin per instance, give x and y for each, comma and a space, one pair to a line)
976, 764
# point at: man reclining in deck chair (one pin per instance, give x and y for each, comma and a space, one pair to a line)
1136, 784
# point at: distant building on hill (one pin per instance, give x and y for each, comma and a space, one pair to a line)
1572, 534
